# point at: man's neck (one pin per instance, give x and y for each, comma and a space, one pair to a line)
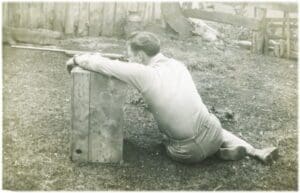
150, 60
147, 61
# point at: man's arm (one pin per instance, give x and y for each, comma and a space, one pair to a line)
135, 74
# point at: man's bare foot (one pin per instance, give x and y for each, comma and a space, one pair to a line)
267, 155
232, 153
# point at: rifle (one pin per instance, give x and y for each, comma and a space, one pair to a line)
71, 53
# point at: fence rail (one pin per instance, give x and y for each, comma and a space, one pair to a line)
223, 18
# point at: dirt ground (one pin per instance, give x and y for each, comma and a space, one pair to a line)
260, 90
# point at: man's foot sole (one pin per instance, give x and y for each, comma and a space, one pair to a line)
232, 153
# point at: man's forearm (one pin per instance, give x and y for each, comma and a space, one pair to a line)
135, 74
90, 66
95, 63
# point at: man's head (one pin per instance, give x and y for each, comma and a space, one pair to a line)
142, 46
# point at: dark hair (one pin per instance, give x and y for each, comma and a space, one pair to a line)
145, 41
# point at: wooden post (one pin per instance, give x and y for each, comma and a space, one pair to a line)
266, 37
284, 23
288, 36
259, 36
97, 117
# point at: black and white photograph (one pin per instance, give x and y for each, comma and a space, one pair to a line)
150, 95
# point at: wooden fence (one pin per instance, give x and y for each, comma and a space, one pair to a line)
261, 25
78, 18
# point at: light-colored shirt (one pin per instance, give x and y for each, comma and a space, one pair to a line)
168, 88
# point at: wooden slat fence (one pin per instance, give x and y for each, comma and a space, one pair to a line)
78, 18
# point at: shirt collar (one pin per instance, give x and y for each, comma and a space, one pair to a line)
157, 59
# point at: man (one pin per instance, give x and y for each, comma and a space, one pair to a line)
192, 132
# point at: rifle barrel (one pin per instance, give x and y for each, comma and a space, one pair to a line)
70, 52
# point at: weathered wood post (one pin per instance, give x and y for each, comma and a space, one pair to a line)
288, 35
259, 36
97, 117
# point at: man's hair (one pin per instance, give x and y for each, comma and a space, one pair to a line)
145, 41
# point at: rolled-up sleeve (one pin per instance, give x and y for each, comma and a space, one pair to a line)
137, 75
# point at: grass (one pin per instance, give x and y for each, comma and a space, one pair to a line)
260, 90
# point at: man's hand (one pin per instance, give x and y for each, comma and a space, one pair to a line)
71, 63
83, 60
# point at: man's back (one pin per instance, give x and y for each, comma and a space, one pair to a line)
174, 99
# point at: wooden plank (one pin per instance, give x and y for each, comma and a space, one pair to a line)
293, 20
24, 20
71, 18
80, 115
77, 18
148, 12
289, 7
108, 19
120, 19
292, 26
10, 14
59, 15
4, 15
97, 117
34, 15
96, 14
141, 10
48, 10
288, 36
16, 14
153, 12
83, 22
132, 6
277, 37
223, 18
42, 16
107, 97
68, 20
157, 11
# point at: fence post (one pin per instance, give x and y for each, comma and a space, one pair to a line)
259, 36
288, 35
